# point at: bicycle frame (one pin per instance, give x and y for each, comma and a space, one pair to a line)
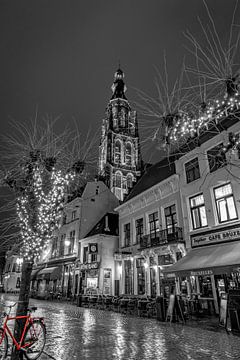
29, 320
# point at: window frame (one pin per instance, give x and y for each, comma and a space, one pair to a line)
136, 240
217, 200
155, 230
174, 225
126, 239
189, 167
198, 211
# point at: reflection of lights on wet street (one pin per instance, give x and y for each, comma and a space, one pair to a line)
92, 334
118, 336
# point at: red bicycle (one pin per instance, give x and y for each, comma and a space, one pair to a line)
33, 337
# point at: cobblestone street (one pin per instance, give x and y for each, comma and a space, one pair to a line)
79, 333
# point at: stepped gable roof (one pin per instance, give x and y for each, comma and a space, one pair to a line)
153, 175
109, 227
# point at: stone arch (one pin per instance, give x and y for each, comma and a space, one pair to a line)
129, 180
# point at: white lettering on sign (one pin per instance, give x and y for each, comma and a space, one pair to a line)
219, 236
201, 272
89, 266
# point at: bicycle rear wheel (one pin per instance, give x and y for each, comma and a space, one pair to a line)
35, 336
3, 344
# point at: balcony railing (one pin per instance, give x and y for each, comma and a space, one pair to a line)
162, 237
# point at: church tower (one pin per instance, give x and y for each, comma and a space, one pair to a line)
120, 160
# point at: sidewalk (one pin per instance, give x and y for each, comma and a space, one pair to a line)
210, 323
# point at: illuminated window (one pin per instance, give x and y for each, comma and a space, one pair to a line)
153, 225
192, 170
170, 218
198, 211
225, 204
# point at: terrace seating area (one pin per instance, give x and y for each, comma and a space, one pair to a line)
130, 305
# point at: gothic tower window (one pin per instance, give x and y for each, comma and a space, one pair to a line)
129, 181
117, 152
118, 180
122, 118
128, 154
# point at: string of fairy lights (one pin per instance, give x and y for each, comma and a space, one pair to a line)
185, 126
39, 210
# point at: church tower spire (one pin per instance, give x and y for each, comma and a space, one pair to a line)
120, 162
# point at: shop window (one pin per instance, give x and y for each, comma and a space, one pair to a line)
140, 276
139, 230
225, 204
153, 225
126, 230
153, 282
198, 211
128, 277
205, 286
183, 286
192, 170
170, 218
216, 158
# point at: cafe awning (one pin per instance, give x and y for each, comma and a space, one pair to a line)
208, 260
50, 273
34, 273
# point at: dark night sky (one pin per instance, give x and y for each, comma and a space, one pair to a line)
61, 55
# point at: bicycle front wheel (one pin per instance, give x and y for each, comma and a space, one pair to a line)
34, 340
3, 344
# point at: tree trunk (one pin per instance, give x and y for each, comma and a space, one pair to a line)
22, 305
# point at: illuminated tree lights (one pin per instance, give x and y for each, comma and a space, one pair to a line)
39, 208
185, 126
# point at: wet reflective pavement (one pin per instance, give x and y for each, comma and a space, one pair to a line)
79, 333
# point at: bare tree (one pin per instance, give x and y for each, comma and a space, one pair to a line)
204, 95
40, 167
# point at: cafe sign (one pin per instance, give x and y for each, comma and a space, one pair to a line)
90, 266
201, 273
216, 237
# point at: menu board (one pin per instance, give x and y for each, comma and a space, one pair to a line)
234, 309
223, 310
